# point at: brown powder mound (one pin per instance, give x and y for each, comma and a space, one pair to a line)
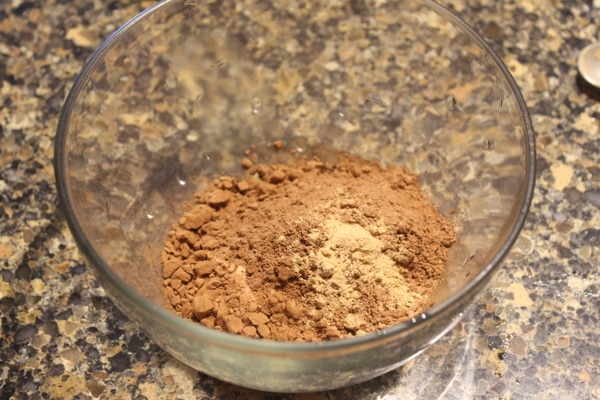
307, 251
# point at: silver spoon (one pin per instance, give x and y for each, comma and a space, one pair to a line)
588, 64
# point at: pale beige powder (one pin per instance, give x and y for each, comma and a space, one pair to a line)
352, 255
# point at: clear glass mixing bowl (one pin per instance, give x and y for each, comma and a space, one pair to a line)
180, 91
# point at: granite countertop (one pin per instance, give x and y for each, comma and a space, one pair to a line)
532, 334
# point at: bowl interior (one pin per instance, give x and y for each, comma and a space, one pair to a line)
182, 90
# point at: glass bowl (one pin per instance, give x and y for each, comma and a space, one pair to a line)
181, 90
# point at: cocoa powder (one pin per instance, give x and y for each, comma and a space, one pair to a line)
307, 251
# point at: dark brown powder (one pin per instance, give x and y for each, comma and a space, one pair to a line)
307, 251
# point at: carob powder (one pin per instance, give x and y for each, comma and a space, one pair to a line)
307, 251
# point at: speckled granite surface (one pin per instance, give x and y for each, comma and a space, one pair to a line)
533, 334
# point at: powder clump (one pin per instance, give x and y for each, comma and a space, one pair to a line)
307, 251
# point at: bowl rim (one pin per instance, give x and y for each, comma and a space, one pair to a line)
224, 339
